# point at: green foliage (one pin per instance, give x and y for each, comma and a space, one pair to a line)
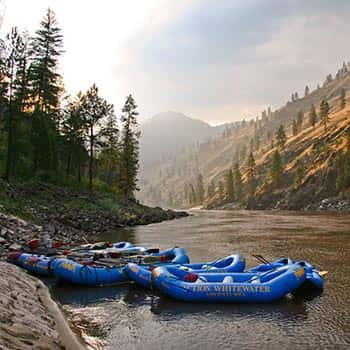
312, 116
342, 98
94, 109
324, 114
43, 136
281, 137
276, 169
299, 174
45, 82
251, 181
294, 128
109, 157
192, 195
43, 139
200, 189
74, 135
229, 190
237, 183
342, 163
221, 192
129, 148
299, 122
211, 189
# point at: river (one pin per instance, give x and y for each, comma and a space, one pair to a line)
131, 318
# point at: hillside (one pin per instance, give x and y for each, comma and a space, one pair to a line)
168, 133
310, 155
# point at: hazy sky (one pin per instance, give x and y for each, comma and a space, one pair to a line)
217, 60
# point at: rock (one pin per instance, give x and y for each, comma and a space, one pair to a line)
15, 246
2, 240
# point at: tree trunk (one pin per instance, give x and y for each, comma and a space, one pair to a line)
9, 133
68, 164
79, 167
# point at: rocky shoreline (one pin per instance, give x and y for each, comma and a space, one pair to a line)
67, 215
333, 204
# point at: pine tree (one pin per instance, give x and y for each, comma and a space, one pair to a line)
74, 133
300, 119
294, 128
281, 137
221, 192
307, 91
13, 47
45, 82
237, 182
342, 98
342, 164
211, 189
129, 148
229, 190
200, 189
299, 174
313, 116
94, 110
276, 170
22, 89
109, 157
324, 114
192, 195
250, 176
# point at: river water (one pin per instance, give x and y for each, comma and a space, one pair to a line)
128, 317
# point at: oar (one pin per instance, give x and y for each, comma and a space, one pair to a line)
261, 259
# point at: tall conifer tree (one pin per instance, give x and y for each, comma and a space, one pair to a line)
45, 83
229, 186
313, 116
237, 182
129, 148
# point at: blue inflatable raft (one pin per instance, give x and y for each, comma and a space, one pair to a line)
229, 287
93, 274
142, 274
41, 264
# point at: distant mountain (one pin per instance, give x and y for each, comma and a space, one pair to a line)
312, 170
168, 133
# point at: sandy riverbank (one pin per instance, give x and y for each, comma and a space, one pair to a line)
29, 318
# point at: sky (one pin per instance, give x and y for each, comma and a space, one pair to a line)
216, 60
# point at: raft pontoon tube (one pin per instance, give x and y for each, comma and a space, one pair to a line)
93, 274
36, 264
41, 264
229, 287
142, 274
313, 276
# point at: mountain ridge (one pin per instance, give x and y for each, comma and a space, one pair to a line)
166, 133
212, 159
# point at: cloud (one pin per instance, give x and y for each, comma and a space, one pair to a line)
220, 60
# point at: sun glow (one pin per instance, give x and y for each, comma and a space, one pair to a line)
94, 36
